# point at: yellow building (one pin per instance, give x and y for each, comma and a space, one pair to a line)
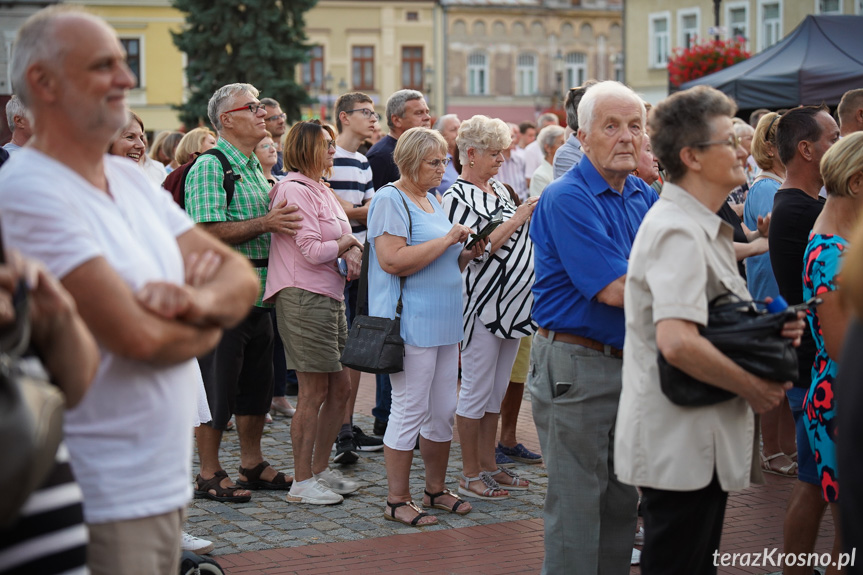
653, 28
144, 28
371, 46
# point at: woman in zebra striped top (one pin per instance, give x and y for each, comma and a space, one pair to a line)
497, 301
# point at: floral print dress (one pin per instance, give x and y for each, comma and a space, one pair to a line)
821, 263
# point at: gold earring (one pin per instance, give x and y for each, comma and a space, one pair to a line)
471, 163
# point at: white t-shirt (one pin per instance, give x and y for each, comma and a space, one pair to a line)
130, 437
352, 181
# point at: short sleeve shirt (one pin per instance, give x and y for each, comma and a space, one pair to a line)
682, 258
206, 200
432, 298
582, 232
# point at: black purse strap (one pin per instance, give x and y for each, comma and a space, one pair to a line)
363, 290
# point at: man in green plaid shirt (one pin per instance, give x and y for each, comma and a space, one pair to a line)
238, 374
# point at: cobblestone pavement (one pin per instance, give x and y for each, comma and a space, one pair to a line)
268, 521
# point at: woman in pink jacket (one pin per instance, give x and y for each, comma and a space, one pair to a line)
307, 288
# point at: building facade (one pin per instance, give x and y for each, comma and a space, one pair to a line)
512, 59
654, 28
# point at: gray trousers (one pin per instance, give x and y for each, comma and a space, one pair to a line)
590, 517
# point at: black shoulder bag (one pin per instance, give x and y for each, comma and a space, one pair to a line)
750, 337
375, 344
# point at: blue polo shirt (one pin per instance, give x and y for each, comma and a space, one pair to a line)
582, 233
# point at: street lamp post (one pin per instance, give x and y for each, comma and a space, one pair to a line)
558, 78
328, 83
716, 4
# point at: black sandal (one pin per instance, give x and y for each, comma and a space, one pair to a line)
223, 494
454, 509
391, 516
253, 479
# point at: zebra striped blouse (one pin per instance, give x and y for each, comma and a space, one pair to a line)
497, 289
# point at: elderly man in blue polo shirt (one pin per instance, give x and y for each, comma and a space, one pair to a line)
583, 229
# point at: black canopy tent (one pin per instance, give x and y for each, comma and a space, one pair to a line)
817, 62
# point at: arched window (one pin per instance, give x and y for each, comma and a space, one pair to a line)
525, 75
477, 74
575, 67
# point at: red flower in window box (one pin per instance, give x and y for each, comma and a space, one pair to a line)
705, 58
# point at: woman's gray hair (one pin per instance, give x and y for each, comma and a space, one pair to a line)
224, 94
37, 42
14, 107
547, 136
599, 91
413, 146
482, 133
396, 103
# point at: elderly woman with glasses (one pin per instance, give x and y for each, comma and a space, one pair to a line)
305, 283
687, 458
497, 302
418, 256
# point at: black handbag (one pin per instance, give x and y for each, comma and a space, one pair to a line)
749, 336
31, 415
375, 344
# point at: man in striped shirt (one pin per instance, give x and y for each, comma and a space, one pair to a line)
351, 181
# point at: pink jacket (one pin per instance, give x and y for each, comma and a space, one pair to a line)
307, 260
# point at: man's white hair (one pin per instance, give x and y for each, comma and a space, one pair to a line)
219, 101
14, 107
599, 91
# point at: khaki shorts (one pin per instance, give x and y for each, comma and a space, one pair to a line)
313, 329
522, 361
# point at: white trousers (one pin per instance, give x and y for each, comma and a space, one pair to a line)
486, 365
424, 397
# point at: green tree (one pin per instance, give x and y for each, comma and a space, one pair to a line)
255, 41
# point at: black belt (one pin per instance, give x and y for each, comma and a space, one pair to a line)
259, 263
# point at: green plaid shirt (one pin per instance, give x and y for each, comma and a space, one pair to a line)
205, 200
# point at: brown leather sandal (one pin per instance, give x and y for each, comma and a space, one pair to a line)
454, 509
391, 516
253, 480
222, 494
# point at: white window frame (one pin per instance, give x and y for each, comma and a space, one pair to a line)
681, 32
818, 8
526, 75
858, 7
574, 69
651, 42
762, 45
477, 86
737, 6
142, 73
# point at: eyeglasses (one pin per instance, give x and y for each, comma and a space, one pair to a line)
367, 114
253, 108
330, 144
438, 163
265, 147
281, 116
732, 141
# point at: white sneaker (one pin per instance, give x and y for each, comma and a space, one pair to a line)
636, 557
334, 479
639, 536
196, 544
313, 491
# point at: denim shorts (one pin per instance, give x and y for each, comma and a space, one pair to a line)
806, 469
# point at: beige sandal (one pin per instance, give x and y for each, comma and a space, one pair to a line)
789, 470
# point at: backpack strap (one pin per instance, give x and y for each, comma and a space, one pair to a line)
227, 181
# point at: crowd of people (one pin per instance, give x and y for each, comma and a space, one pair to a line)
197, 275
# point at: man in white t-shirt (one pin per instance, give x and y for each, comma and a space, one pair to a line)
351, 180
154, 290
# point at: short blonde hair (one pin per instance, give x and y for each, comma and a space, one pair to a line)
765, 134
413, 146
840, 163
305, 150
482, 133
191, 143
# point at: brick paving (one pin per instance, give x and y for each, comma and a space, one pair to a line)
271, 536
